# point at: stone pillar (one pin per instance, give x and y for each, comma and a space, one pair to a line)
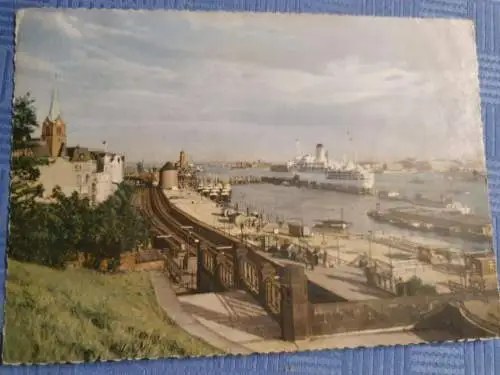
239, 255
295, 312
266, 271
218, 284
199, 268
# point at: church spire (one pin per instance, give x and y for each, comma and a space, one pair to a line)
54, 111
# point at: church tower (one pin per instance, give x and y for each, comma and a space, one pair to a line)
54, 128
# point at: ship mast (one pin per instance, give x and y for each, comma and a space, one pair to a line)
297, 148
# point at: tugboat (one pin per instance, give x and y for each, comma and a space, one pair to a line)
389, 195
331, 225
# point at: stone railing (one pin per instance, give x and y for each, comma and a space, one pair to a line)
172, 267
329, 318
260, 278
491, 326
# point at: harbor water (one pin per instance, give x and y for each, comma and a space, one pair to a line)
310, 205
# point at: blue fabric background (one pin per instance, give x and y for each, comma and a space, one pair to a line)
468, 358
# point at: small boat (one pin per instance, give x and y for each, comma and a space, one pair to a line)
389, 195
332, 225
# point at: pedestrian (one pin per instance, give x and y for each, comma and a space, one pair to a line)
310, 260
316, 258
325, 258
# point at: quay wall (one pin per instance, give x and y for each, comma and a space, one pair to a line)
420, 313
453, 318
292, 181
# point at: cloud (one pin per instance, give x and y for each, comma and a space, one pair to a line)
224, 21
25, 61
65, 25
161, 79
98, 31
74, 27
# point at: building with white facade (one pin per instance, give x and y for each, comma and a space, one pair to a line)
94, 174
104, 188
70, 177
114, 165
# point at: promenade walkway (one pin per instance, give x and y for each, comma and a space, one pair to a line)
344, 281
341, 281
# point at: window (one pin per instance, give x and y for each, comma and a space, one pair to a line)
491, 266
78, 180
87, 179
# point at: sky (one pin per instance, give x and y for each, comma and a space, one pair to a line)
243, 86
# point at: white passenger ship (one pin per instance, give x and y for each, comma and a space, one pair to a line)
345, 176
350, 176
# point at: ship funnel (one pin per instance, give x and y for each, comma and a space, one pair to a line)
320, 153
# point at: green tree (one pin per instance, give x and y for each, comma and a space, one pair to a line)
118, 226
53, 233
24, 213
24, 167
75, 224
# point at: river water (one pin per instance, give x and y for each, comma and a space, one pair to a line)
310, 205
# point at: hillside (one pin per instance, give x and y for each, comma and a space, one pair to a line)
80, 315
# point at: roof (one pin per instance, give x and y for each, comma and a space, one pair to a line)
38, 148
168, 166
79, 154
54, 111
41, 150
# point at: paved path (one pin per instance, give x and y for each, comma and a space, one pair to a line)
168, 301
206, 327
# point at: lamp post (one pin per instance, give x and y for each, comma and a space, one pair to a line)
390, 258
338, 249
370, 234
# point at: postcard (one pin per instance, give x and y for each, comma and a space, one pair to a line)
209, 183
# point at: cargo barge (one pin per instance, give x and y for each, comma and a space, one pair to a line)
446, 223
417, 200
296, 181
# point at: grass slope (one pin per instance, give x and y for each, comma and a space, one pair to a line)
80, 315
